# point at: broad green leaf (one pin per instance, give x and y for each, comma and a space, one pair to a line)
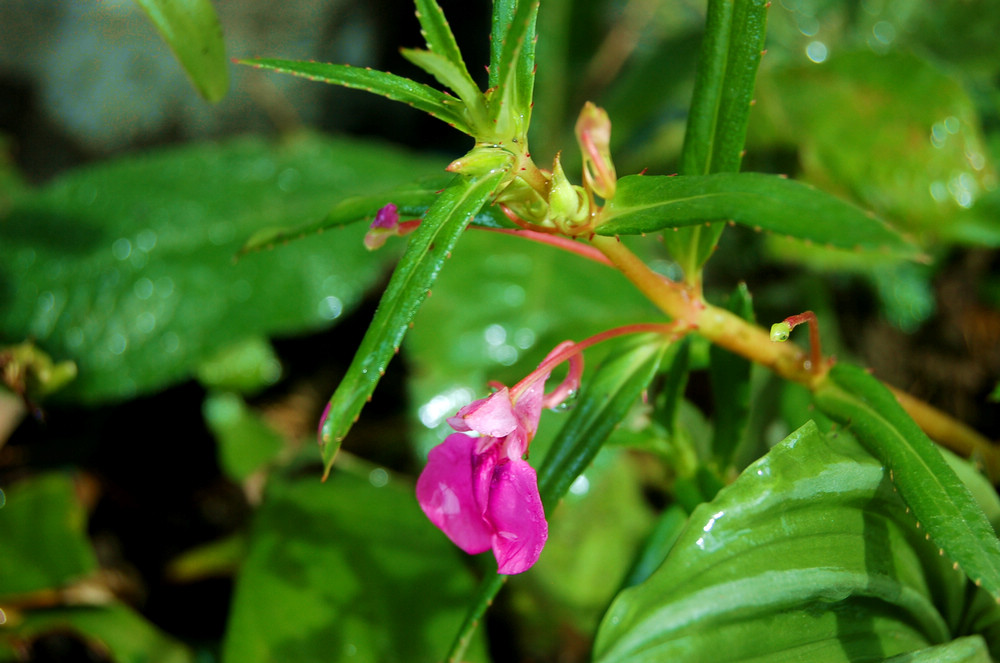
398, 88
409, 286
942, 504
455, 77
765, 202
114, 632
720, 110
346, 570
245, 442
730, 374
808, 555
246, 366
910, 147
127, 268
970, 649
192, 30
43, 536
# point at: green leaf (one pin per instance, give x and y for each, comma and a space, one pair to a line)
43, 536
765, 202
127, 267
720, 109
808, 555
941, 503
114, 632
346, 570
911, 148
657, 546
438, 35
510, 103
730, 375
398, 88
246, 366
192, 30
455, 77
970, 649
245, 442
409, 286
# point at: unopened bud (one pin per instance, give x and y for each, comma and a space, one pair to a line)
593, 132
569, 208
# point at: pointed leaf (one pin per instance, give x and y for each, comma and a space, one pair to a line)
454, 77
764, 202
191, 29
437, 33
720, 109
398, 88
407, 289
510, 105
942, 504
808, 555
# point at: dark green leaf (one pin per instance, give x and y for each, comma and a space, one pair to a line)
192, 30
730, 374
765, 202
970, 649
942, 504
808, 555
420, 96
510, 104
114, 632
127, 267
346, 570
43, 536
720, 109
245, 442
409, 286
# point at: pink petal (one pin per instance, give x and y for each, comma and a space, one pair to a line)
387, 217
447, 491
516, 513
492, 416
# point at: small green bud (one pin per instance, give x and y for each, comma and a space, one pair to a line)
780, 331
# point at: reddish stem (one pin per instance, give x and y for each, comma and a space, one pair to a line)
815, 353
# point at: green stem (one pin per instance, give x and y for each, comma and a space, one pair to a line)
488, 589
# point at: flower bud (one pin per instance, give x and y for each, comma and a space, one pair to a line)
593, 132
569, 208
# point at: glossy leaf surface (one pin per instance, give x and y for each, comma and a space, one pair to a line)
43, 536
398, 88
941, 503
409, 286
191, 29
810, 554
127, 268
349, 569
766, 202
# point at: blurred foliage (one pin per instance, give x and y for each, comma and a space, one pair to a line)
127, 269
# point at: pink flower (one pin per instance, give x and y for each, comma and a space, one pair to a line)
480, 491
386, 225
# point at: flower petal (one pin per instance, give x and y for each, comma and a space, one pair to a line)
516, 514
492, 416
447, 491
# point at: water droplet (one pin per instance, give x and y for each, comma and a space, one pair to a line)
808, 25
74, 338
145, 322
513, 295
330, 308
524, 338
121, 249
164, 287
580, 486
45, 302
289, 180
884, 32
817, 51
145, 240
171, 342
117, 343
433, 413
143, 288
378, 477
951, 124
495, 335
568, 403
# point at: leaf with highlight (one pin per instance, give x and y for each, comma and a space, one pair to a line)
515, 75
398, 88
407, 289
646, 204
942, 504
